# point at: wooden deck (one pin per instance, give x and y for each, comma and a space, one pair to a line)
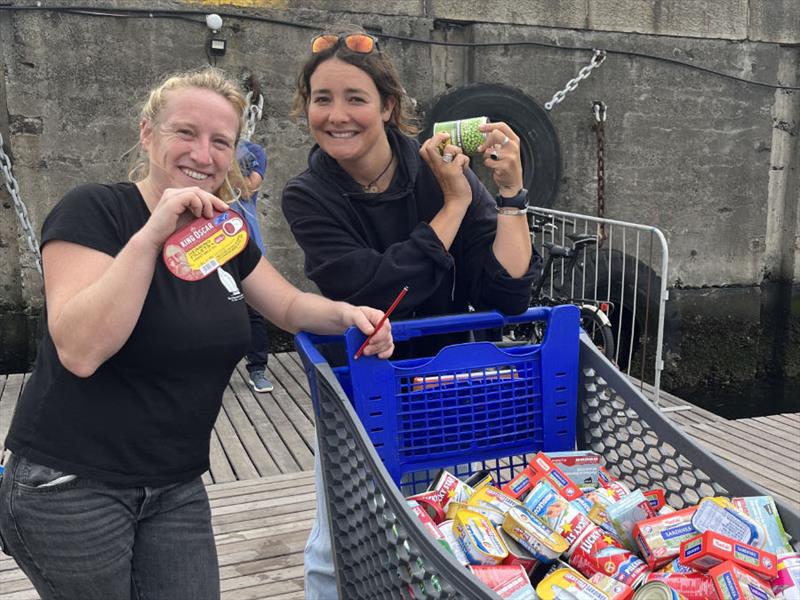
262, 489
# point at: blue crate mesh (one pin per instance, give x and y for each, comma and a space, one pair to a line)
452, 412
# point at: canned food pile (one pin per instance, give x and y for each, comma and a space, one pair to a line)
563, 528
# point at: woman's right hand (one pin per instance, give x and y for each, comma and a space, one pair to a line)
448, 172
175, 208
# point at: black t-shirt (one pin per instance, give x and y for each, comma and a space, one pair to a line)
145, 416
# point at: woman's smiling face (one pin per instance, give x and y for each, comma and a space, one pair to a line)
345, 111
193, 143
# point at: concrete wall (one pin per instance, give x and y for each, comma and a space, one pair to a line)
711, 161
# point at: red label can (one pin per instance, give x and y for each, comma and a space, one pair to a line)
597, 552
692, 586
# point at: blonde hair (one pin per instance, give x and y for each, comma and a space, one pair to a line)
376, 64
208, 78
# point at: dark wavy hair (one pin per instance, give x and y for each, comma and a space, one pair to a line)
377, 65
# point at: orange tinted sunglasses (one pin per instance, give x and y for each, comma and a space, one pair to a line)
361, 43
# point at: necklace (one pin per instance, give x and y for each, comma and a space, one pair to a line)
371, 187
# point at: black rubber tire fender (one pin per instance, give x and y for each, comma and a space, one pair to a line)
539, 146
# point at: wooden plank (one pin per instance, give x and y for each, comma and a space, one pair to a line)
778, 449
232, 445
12, 386
264, 503
279, 436
249, 437
775, 425
292, 588
722, 441
745, 429
289, 495
223, 489
256, 549
220, 467
254, 519
261, 566
270, 489
776, 484
300, 371
300, 439
298, 386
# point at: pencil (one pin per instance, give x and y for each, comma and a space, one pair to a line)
385, 316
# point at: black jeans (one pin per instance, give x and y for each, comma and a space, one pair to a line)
79, 538
257, 353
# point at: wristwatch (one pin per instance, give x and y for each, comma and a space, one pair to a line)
520, 201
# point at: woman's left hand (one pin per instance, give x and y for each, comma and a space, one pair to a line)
501, 155
366, 318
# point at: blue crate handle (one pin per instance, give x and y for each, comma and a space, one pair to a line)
406, 330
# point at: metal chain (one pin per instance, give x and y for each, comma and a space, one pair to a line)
599, 110
19, 206
597, 60
252, 113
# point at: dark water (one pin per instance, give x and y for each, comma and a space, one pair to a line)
753, 399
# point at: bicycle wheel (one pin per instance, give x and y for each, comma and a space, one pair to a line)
598, 329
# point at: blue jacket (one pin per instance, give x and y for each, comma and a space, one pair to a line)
252, 158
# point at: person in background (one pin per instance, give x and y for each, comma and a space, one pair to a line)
102, 497
375, 211
253, 164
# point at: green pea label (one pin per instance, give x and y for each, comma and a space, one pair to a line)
464, 133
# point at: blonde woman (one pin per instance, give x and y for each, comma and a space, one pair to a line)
102, 497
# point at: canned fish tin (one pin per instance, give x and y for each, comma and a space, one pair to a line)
692, 586
204, 245
464, 133
598, 552
656, 590
479, 539
533, 535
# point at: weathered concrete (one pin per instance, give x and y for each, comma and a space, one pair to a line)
690, 152
775, 21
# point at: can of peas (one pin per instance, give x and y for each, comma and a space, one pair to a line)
464, 133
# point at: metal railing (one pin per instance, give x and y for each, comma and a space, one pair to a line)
627, 269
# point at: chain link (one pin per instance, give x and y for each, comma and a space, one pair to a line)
252, 113
597, 59
599, 110
19, 206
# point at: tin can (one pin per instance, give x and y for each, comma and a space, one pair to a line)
595, 551
692, 586
464, 133
656, 590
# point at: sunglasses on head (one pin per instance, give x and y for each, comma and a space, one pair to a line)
361, 43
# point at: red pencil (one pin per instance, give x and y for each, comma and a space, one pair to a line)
389, 311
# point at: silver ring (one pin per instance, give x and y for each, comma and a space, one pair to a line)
447, 157
505, 141
494, 155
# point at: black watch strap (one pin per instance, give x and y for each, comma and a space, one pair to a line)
518, 201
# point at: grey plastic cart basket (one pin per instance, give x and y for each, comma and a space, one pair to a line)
380, 548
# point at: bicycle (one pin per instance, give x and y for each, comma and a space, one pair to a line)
594, 314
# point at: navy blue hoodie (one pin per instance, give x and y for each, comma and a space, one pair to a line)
363, 248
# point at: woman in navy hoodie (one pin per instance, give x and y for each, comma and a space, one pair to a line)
375, 211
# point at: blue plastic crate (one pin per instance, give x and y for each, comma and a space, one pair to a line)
472, 403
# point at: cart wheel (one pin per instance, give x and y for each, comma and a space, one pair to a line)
539, 147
